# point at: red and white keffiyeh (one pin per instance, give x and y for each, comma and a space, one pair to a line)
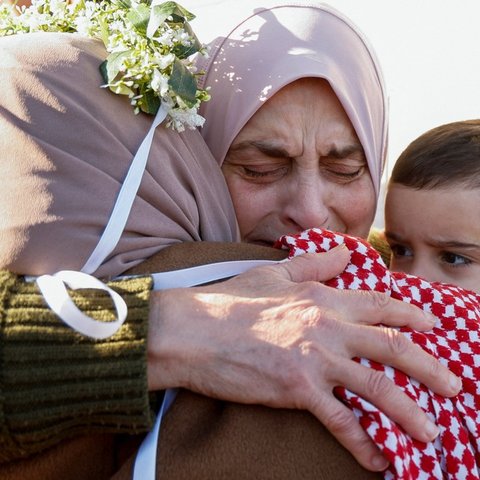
455, 341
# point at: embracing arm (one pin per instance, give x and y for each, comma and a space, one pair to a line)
56, 383
277, 336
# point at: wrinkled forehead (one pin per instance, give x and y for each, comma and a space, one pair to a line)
276, 46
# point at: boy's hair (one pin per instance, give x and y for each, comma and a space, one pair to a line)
448, 155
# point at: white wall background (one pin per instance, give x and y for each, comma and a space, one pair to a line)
429, 50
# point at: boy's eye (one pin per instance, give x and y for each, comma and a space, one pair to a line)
454, 259
401, 251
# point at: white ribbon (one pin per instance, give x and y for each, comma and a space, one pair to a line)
121, 210
146, 460
53, 288
59, 300
189, 277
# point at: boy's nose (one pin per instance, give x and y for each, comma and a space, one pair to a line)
423, 267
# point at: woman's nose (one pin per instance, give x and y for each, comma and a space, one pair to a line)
307, 205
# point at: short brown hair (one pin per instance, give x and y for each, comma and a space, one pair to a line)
441, 157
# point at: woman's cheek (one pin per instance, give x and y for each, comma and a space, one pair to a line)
358, 209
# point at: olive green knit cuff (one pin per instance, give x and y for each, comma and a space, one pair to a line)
55, 383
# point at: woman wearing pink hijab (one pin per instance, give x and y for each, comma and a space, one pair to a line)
268, 315
267, 52
298, 121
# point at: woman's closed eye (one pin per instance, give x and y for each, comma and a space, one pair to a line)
344, 172
348, 175
265, 174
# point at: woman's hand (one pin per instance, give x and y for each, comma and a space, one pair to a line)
278, 337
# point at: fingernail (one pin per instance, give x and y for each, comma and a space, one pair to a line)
455, 383
379, 462
431, 430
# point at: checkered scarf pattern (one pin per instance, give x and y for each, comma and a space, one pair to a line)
455, 453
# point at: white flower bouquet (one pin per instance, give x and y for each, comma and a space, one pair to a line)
149, 43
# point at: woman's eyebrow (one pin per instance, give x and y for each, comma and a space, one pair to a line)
346, 150
273, 149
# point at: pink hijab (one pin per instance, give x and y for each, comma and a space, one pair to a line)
66, 145
276, 46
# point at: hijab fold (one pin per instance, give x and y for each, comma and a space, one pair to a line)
66, 145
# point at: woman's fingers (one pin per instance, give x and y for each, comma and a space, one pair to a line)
356, 306
342, 424
374, 308
375, 387
391, 347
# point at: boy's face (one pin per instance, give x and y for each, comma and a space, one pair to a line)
435, 234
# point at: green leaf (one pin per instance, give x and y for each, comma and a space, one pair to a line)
157, 17
123, 3
161, 12
188, 16
121, 89
114, 65
173, 8
103, 71
150, 102
139, 18
184, 52
103, 30
183, 83
191, 33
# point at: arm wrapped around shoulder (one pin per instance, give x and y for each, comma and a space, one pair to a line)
56, 383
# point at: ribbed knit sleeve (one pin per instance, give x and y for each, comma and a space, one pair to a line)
55, 383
